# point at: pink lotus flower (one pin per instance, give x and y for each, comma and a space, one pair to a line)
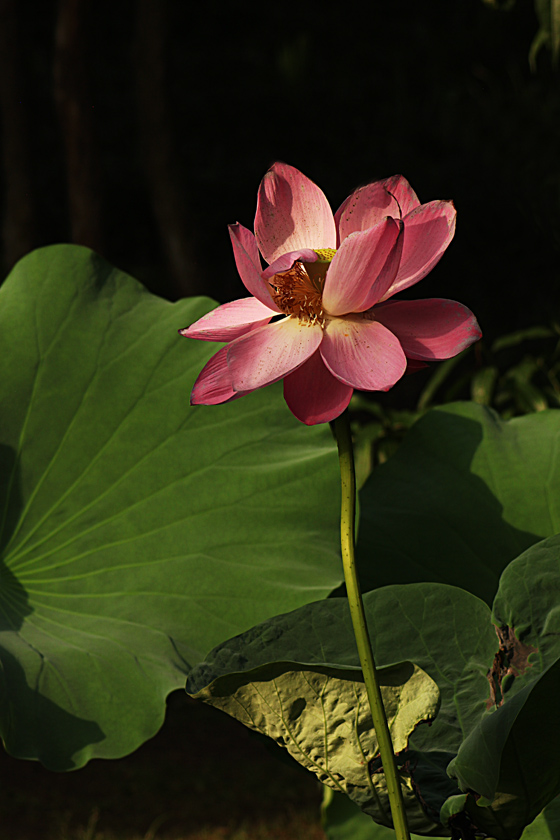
319, 317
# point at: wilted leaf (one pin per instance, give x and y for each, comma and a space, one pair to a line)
322, 717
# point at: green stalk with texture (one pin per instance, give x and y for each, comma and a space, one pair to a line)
363, 643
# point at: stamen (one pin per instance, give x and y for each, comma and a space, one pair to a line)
295, 293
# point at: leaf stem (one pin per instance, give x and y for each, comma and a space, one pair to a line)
363, 643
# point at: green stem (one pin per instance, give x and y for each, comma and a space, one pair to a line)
347, 530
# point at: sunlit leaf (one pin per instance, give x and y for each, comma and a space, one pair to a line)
322, 717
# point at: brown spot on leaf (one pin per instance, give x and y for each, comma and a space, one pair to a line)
512, 659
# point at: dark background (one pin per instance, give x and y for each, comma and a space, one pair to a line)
142, 127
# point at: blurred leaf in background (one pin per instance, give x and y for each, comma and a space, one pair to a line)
519, 373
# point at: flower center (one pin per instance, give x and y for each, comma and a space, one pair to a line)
299, 291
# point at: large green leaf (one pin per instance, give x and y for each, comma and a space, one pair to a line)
464, 495
137, 532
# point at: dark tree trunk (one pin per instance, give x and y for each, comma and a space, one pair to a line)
159, 147
77, 117
19, 222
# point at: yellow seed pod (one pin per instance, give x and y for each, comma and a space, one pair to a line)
325, 254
